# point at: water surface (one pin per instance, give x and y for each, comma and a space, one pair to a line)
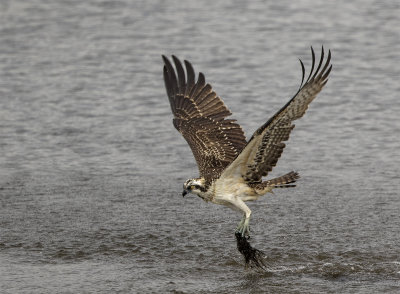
91, 168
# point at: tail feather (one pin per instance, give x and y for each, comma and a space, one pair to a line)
285, 181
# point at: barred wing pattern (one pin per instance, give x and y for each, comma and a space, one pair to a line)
266, 145
199, 115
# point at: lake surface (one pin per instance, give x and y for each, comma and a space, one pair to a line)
91, 167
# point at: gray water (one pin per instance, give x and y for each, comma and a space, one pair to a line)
91, 167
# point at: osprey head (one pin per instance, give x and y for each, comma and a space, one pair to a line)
195, 186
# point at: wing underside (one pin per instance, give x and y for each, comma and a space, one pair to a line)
265, 147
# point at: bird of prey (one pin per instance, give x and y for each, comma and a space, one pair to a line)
232, 170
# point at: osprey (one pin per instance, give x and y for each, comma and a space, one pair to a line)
231, 168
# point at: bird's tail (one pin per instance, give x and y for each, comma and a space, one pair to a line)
285, 181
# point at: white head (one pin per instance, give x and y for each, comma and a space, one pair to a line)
195, 186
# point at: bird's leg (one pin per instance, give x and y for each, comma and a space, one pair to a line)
244, 227
241, 223
238, 204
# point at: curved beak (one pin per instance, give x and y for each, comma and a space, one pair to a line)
184, 192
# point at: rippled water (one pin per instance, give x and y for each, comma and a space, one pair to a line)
91, 168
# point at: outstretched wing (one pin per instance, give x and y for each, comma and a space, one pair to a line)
199, 115
266, 145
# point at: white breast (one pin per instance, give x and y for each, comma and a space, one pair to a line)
226, 188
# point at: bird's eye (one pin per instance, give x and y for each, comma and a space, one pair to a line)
192, 187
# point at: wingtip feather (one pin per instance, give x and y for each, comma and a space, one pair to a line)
303, 72
165, 59
312, 64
